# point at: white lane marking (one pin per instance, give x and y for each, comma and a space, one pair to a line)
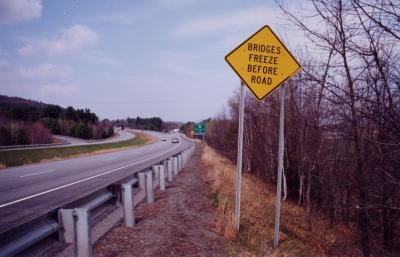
82, 180
110, 158
36, 173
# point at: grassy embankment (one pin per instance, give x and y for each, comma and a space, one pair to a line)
257, 218
12, 158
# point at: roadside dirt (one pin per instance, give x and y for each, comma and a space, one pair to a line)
181, 222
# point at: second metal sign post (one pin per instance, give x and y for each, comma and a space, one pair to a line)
263, 64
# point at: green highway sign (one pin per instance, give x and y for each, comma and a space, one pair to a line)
199, 129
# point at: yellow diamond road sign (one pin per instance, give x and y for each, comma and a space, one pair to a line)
263, 62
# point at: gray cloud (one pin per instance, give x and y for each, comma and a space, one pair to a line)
68, 41
18, 11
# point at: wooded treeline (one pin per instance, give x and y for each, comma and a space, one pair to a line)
24, 121
342, 121
154, 123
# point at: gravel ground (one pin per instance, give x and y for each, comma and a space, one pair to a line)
181, 222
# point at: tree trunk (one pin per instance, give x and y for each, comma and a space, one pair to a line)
308, 201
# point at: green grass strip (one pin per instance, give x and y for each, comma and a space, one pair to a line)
28, 156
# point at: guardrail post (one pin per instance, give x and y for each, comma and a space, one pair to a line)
142, 180
128, 204
184, 153
179, 162
149, 187
83, 241
156, 177
66, 219
156, 171
175, 165
169, 169
75, 224
162, 177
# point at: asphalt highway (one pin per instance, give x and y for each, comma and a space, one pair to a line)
30, 191
120, 135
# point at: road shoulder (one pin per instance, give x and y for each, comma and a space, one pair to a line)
180, 223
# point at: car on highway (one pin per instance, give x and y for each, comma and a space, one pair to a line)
175, 140
163, 139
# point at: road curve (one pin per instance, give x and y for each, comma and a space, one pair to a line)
120, 135
28, 192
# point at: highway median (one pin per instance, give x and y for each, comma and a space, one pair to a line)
12, 158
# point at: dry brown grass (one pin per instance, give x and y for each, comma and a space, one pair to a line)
148, 138
257, 218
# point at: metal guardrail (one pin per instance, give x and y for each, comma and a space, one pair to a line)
64, 143
36, 233
15, 147
74, 223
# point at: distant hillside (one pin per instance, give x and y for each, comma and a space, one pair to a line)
20, 119
19, 108
7, 102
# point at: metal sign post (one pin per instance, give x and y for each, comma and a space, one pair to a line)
263, 64
239, 158
280, 166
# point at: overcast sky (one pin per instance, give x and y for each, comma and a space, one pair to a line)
130, 58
